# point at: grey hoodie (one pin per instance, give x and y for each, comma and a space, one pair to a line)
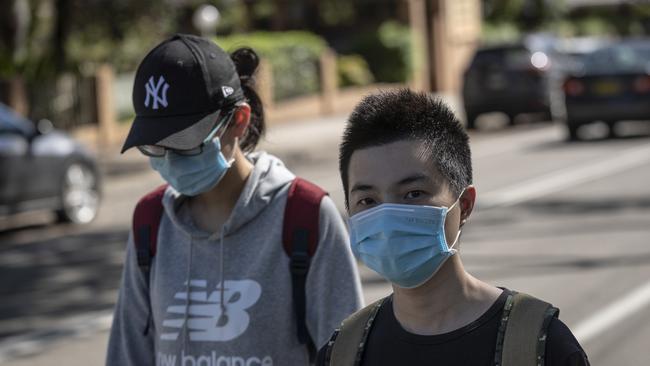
249, 321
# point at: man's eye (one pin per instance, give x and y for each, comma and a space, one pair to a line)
414, 194
365, 202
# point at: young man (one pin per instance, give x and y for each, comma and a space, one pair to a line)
407, 174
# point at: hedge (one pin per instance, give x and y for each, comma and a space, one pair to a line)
293, 56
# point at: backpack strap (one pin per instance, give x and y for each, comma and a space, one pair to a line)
348, 342
146, 221
300, 241
521, 340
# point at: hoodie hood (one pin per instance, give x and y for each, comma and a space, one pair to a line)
268, 178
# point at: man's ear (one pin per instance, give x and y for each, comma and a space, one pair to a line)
241, 120
466, 203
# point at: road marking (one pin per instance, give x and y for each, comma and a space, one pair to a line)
615, 312
564, 178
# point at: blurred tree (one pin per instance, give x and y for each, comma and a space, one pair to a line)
47, 37
597, 18
624, 19
528, 15
15, 18
65, 33
502, 10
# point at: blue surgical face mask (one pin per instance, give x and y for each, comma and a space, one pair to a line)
193, 175
405, 244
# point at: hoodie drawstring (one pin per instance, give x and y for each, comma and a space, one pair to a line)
188, 300
223, 319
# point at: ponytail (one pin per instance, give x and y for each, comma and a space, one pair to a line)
246, 62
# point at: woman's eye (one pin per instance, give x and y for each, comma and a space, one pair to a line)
414, 195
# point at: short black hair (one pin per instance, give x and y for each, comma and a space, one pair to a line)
403, 114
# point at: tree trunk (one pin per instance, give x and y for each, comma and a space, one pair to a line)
61, 34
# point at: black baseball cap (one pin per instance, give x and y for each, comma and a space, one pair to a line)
182, 88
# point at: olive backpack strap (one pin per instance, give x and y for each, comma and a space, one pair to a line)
347, 345
521, 340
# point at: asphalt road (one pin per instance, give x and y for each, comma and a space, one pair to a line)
567, 222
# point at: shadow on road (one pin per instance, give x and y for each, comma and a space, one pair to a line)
558, 145
572, 207
504, 266
45, 280
115, 168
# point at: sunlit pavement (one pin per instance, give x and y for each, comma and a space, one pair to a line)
568, 222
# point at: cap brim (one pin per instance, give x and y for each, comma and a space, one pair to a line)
176, 132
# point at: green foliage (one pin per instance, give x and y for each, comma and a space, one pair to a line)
88, 50
388, 51
293, 56
592, 26
499, 11
7, 64
500, 32
507, 19
527, 15
353, 70
337, 12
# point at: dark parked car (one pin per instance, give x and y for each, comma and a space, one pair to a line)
514, 79
45, 169
613, 84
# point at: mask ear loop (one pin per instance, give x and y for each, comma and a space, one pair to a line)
451, 247
221, 124
225, 126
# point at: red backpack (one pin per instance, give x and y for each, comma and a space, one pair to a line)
299, 239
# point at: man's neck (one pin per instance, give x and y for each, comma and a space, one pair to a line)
448, 301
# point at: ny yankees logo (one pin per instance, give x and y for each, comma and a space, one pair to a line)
152, 92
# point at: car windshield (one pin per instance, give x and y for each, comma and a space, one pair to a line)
511, 58
10, 121
621, 58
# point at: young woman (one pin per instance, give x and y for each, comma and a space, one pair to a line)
206, 279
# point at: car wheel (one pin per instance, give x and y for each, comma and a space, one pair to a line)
79, 194
573, 131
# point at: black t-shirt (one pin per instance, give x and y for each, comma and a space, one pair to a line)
474, 344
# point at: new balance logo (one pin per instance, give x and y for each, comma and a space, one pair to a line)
205, 319
155, 93
227, 91
210, 359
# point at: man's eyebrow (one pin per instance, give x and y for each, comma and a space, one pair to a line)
414, 179
361, 187
421, 178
